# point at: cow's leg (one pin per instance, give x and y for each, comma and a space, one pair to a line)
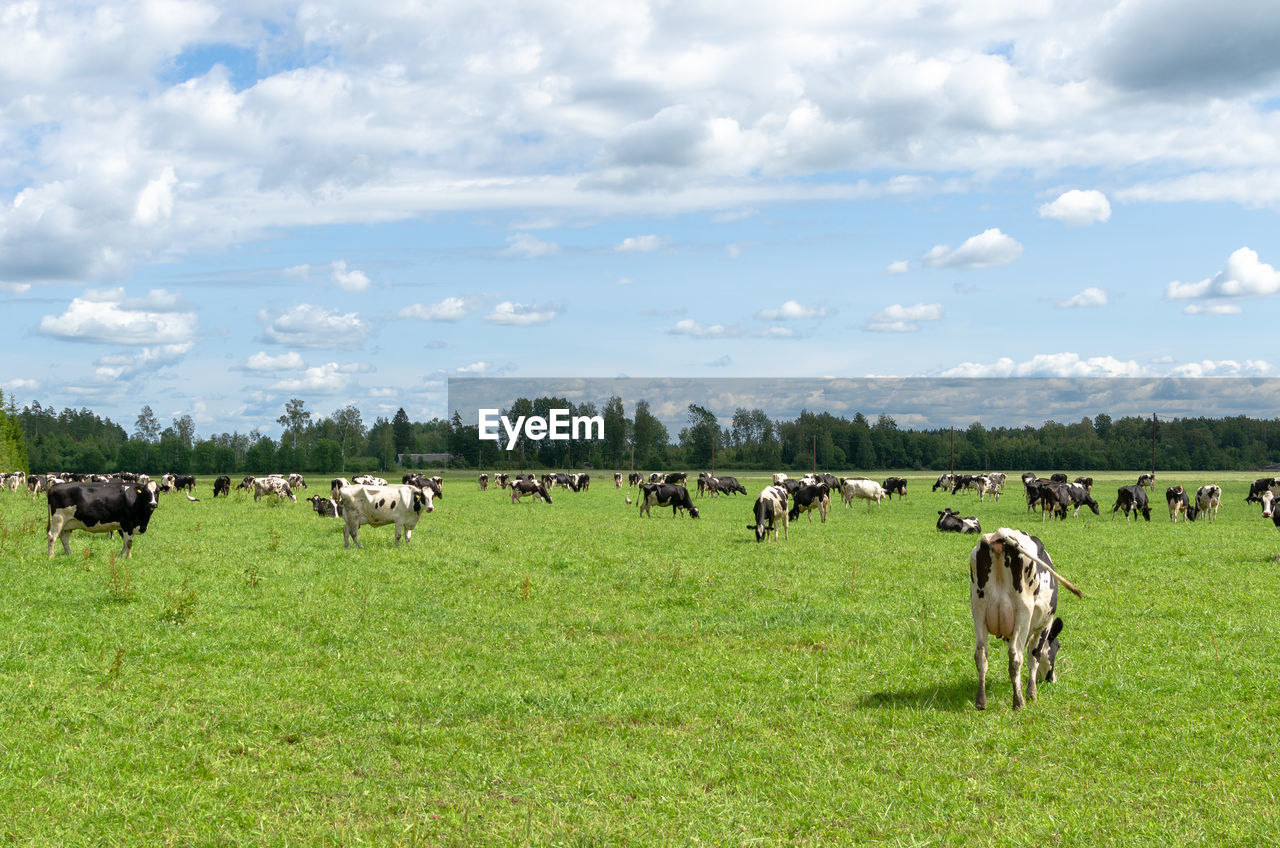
1017, 650
127, 550
980, 660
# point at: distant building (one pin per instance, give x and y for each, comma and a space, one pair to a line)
420, 459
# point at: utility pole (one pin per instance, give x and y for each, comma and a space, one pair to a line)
1153, 445
953, 450
815, 454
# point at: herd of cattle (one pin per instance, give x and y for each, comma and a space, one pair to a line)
1013, 587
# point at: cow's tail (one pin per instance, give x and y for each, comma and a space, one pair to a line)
1069, 586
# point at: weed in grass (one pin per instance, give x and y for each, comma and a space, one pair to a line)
273, 540
524, 588
119, 580
111, 673
251, 575
87, 554
179, 604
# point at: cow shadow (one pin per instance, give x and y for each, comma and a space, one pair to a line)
956, 696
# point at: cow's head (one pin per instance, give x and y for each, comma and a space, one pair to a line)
423, 500
1268, 501
764, 518
693, 512
1049, 652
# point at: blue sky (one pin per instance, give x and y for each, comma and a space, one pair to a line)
212, 208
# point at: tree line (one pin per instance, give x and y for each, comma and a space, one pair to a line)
39, 439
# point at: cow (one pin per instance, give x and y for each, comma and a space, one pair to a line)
503, 480
1179, 503
950, 521
706, 483
325, 508
617, 479
483, 479
635, 478
1208, 497
808, 498
273, 485
381, 505
1034, 488
895, 486
778, 478
222, 486
666, 494
125, 508
1013, 594
1087, 482
676, 478
177, 482
944, 482
583, 482
966, 482
1147, 481
1257, 487
1058, 478
861, 487
728, 486
770, 510
520, 488
987, 486
296, 482
367, 480
422, 481
1131, 498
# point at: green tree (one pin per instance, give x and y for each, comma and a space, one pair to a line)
401, 431
146, 428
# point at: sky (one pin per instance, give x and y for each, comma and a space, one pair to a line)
211, 208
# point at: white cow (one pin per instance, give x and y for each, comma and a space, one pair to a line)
1013, 593
861, 487
272, 485
1208, 498
381, 505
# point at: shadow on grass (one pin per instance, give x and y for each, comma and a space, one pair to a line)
953, 697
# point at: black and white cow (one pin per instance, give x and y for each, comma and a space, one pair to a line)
1013, 595
950, 521
944, 482
378, 506
728, 486
1262, 484
296, 482
770, 510
326, 508
100, 508
422, 481
1146, 481
1132, 498
1058, 478
503, 480
617, 479
1208, 498
1179, 503
635, 478
273, 485
861, 488
1061, 497
520, 488
676, 478
367, 480
808, 498
222, 486
895, 486
1087, 482
175, 482
666, 494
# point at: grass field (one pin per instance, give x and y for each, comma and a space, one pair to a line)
573, 674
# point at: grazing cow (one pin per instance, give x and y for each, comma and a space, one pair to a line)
1179, 503
582, 482
296, 481
676, 478
367, 480
1146, 481
1087, 482
861, 487
1208, 497
666, 494
222, 486
1131, 498
182, 481
770, 510
422, 481
1054, 500
895, 486
944, 482
728, 486
520, 488
1257, 487
655, 477
504, 480
246, 482
101, 508
381, 505
808, 498
950, 521
987, 486
966, 482
706, 483
1013, 594
325, 508
635, 478
273, 485
484, 482
617, 479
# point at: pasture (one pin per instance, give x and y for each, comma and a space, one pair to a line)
573, 674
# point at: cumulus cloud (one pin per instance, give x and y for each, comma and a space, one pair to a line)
263, 361
346, 279
791, 310
528, 246
640, 244
1244, 276
988, 248
1090, 297
1213, 309
1224, 368
110, 317
904, 319
901, 266
311, 326
520, 315
116, 367
448, 310
1048, 365
329, 378
1078, 208
690, 327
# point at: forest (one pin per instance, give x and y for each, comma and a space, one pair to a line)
39, 439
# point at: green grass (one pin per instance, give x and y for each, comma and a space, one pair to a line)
577, 675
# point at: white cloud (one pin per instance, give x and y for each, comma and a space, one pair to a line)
20, 384
329, 378
1213, 309
988, 248
1048, 365
791, 310
640, 244
901, 266
262, 361
126, 366
1224, 368
690, 327
1090, 297
904, 319
448, 310
155, 201
528, 246
1244, 276
109, 317
311, 326
1078, 208
348, 280
298, 272
520, 315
